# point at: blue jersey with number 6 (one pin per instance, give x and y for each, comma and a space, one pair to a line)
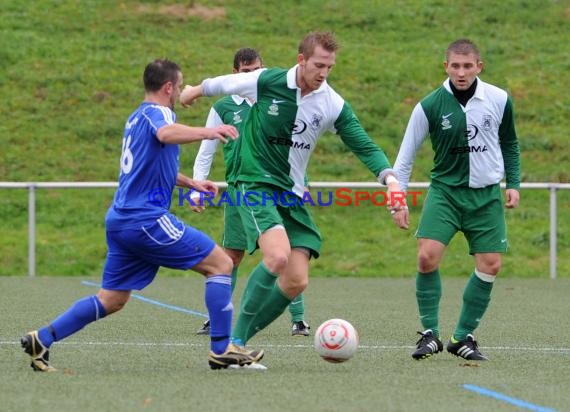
148, 169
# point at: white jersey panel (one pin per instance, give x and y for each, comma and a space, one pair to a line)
316, 115
484, 114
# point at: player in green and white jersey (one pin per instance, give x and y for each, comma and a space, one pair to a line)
471, 127
293, 109
234, 110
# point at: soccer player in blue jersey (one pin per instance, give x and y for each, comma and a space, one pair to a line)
142, 235
234, 110
471, 127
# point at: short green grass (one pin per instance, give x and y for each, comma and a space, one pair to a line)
147, 357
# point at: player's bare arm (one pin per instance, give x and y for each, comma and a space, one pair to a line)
190, 94
180, 134
200, 185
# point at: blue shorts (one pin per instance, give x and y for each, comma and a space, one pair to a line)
135, 255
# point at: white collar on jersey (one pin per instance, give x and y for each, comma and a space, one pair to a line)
239, 100
292, 80
479, 90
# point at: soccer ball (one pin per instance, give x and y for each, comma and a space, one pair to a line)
336, 340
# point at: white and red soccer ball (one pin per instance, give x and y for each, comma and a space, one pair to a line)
336, 340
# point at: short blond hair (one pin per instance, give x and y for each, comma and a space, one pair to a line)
325, 39
462, 46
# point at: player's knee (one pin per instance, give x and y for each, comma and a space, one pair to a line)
223, 265
114, 305
276, 261
235, 255
490, 267
426, 262
302, 285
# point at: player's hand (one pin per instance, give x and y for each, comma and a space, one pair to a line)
205, 186
189, 95
512, 198
397, 205
199, 206
401, 218
223, 133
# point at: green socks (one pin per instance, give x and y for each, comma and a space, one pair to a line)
297, 309
273, 307
259, 284
476, 298
428, 294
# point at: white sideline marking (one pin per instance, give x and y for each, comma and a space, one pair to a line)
200, 345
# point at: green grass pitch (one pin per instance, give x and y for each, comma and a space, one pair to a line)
147, 357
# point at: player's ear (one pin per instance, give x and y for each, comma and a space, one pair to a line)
168, 87
479, 66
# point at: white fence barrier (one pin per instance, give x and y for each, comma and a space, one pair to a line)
32, 186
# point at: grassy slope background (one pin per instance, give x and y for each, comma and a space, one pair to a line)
71, 74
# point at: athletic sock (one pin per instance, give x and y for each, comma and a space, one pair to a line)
476, 298
273, 307
428, 295
80, 314
234, 277
256, 292
297, 309
218, 297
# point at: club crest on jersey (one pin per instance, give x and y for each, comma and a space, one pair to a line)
274, 109
316, 121
445, 123
486, 122
237, 118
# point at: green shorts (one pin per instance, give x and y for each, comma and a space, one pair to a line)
262, 206
478, 213
234, 232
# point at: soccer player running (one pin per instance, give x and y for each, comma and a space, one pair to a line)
234, 110
472, 131
293, 109
142, 235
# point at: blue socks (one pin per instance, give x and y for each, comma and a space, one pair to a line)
218, 296
80, 314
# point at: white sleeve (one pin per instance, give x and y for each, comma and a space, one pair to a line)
416, 132
243, 84
205, 156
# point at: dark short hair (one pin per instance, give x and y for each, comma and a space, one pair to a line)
325, 39
246, 55
158, 72
462, 46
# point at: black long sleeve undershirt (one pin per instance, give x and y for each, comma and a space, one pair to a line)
463, 96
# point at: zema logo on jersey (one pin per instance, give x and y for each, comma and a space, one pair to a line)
470, 134
283, 141
298, 127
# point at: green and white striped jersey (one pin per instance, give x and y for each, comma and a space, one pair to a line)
227, 110
473, 145
282, 129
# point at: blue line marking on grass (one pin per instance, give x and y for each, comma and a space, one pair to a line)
155, 302
517, 402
